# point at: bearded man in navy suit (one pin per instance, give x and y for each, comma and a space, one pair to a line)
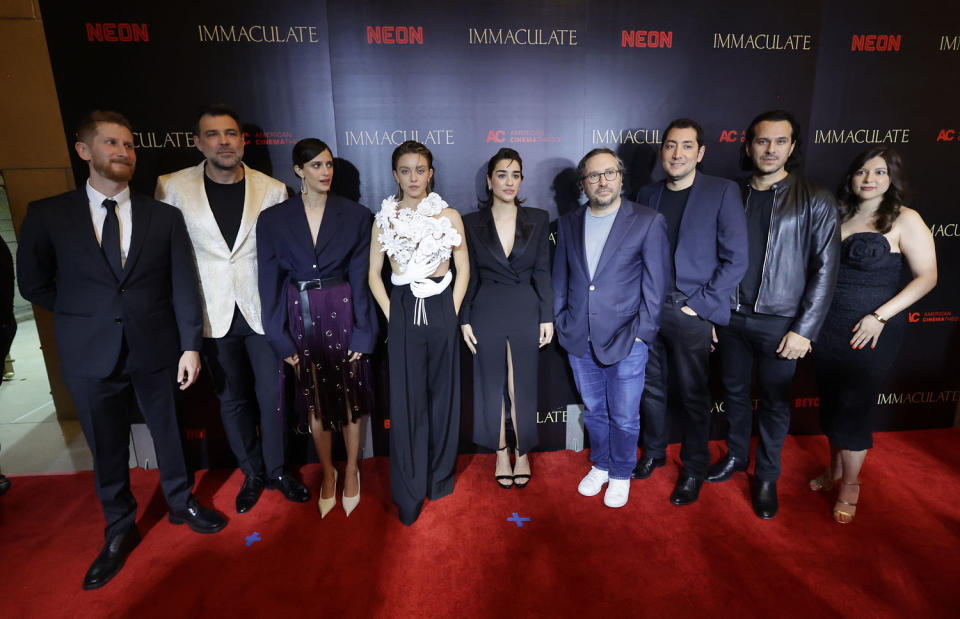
116, 270
609, 273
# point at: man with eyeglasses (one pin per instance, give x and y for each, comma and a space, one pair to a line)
609, 273
793, 245
707, 232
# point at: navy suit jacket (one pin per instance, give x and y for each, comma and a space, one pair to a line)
286, 252
154, 305
711, 256
622, 301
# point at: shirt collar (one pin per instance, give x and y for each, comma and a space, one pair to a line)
96, 198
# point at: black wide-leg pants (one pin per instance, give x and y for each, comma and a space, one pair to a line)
424, 399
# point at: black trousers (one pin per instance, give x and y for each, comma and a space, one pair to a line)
679, 356
245, 372
424, 400
104, 407
753, 339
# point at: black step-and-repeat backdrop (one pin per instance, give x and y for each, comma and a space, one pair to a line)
552, 79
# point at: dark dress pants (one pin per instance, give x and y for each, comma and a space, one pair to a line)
680, 356
104, 407
244, 369
424, 399
748, 339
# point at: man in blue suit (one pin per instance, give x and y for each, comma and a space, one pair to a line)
608, 279
707, 232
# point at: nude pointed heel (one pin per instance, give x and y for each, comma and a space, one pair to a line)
325, 505
350, 502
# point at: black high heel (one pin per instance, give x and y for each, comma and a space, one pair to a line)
524, 476
501, 478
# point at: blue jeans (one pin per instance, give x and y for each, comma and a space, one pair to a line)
611, 395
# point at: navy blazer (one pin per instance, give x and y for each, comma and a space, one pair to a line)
286, 253
154, 306
711, 256
529, 261
622, 301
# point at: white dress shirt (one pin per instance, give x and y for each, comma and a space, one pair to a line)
124, 213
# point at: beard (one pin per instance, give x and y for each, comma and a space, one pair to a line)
117, 170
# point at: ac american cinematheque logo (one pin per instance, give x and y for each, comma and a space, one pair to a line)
163, 139
625, 136
919, 397
117, 32
932, 317
257, 34
522, 36
268, 138
646, 38
799, 42
861, 136
387, 137
521, 136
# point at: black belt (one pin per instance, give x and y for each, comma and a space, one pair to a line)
676, 298
319, 284
304, 287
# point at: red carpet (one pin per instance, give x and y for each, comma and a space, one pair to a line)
901, 556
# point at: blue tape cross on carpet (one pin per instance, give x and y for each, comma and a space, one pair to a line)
253, 538
516, 518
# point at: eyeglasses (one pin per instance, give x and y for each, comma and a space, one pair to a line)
594, 177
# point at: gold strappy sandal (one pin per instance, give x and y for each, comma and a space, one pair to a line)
838, 511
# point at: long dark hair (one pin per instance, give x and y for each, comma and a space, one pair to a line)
896, 195
411, 147
502, 154
307, 150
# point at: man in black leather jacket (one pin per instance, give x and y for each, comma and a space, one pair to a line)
794, 245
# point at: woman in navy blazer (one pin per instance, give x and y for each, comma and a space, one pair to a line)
507, 314
313, 255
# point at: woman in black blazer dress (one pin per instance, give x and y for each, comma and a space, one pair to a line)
507, 314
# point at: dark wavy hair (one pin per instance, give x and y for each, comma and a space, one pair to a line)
897, 195
411, 147
683, 123
746, 163
307, 149
502, 154
216, 109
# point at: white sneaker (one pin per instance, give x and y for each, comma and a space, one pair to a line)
617, 493
593, 482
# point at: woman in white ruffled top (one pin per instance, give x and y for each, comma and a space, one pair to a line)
420, 233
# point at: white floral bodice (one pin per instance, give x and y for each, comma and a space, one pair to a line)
416, 236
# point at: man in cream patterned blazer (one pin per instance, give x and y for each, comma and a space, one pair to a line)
221, 198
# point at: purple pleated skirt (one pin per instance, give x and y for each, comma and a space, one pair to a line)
327, 385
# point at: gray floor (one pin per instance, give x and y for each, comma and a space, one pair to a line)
32, 439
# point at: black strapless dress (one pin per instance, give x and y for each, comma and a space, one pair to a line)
870, 274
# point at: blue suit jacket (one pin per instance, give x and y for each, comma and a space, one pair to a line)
622, 301
286, 252
711, 256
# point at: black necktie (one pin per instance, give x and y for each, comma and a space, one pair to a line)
110, 237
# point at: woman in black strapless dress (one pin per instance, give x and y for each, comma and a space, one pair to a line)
851, 359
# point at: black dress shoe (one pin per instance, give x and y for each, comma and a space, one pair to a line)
646, 466
198, 517
111, 558
687, 490
725, 468
764, 494
4, 484
291, 487
249, 493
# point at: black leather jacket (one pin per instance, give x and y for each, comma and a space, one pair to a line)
802, 256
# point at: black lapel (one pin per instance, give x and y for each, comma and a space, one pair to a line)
579, 245
329, 226
486, 231
141, 213
523, 234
